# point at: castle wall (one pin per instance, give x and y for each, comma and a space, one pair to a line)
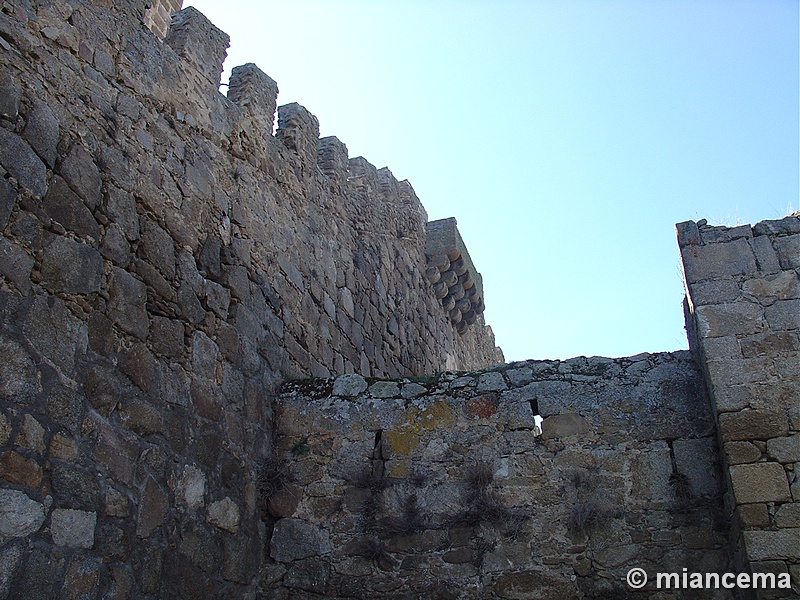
445, 488
743, 317
165, 262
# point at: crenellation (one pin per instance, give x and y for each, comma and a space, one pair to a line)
202, 45
298, 129
255, 93
332, 159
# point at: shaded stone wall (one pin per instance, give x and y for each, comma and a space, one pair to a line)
743, 316
165, 262
446, 488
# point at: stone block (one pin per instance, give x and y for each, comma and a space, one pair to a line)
82, 578
785, 449
5, 430
714, 291
766, 256
73, 528
783, 544
205, 355
753, 425
16, 264
651, 472
21, 161
166, 337
788, 249
783, 286
139, 364
564, 425
784, 314
688, 233
19, 515
157, 247
752, 516
10, 559
71, 267
115, 247
787, 225
491, 382
740, 318
153, 508
41, 131
121, 208
31, 435
8, 198
218, 298
116, 454
716, 348
224, 514
284, 502
81, 173
295, 539
349, 385
241, 558
116, 503
18, 469
64, 206
770, 343
65, 407
741, 452
550, 396
759, 482
126, 304
141, 417
10, 95
79, 485
384, 389
718, 261
19, 379
788, 516
190, 487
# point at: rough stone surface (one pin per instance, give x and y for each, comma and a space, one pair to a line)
457, 480
760, 482
294, 539
224, 514
21, 161
349, 385
73, 528
19, 515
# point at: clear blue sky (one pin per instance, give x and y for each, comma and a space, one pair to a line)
566, 136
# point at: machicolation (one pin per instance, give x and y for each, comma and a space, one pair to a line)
242, 364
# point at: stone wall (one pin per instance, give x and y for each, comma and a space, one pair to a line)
743, 312
165, 262
446, 487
